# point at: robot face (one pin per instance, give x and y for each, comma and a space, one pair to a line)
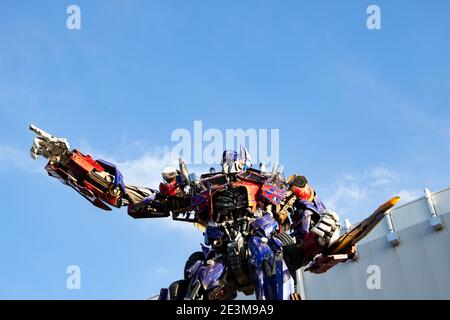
233, 162
234, 167
230, 162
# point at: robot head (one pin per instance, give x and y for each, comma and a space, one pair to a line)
233, 162
230, 162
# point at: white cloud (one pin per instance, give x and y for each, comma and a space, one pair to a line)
409, 195
145, 171
346, 191
382, 176
15, 158
354, 196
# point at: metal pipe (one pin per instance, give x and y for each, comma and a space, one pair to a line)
392, 236
389, 222
435, 220
430, 202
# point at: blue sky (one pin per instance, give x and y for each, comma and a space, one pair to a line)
363, 113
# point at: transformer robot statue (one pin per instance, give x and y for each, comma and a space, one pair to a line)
259, 228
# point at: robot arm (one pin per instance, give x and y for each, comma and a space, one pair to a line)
313, 216
316, 227
99, 181
335, 248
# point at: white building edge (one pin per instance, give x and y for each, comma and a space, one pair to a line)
407, 256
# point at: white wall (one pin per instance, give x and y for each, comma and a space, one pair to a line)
418, 268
